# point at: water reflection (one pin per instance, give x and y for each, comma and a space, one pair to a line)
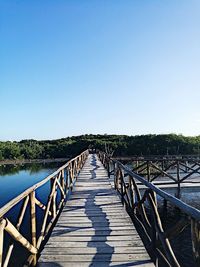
14, 179
31, 167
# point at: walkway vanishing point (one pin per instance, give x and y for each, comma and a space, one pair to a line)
94, 228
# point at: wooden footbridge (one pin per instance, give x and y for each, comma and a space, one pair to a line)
98, 213
94, 229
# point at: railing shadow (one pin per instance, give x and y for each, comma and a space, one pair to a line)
101, 247
93, 163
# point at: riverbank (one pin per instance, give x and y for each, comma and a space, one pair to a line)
25, 161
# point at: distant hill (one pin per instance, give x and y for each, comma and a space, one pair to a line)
122, 145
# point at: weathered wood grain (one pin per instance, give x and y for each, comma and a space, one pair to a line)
138, 263
94, 228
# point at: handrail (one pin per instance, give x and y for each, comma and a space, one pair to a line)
158, 157
142, 206
152, 168
17, 199
189, 210
62, 181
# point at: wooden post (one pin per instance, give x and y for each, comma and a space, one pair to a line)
178, 172
108, 168
15, 234
20, 219
71, 175
33, 224
51, 188
67, 179
178, 195
195, 232
54, 204
137, 164
115, 175
131, 191
148, 171
74, 169
162, 166
154, 236
2, 226
186, 163
122, 185
63, 180
160, 232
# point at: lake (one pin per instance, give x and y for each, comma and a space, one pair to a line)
14, 179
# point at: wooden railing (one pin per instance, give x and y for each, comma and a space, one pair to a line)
176, 171
159, 157
143, 208
61, 183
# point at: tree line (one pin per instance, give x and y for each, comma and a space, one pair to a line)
122, 145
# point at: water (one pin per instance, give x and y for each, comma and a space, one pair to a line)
14, 179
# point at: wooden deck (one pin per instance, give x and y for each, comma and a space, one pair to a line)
93, 228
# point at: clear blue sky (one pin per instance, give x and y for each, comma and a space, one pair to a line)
76, 67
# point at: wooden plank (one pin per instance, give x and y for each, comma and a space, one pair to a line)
93, 219
66, 238
108, 207
139, 263
90, 250
97, 258
95, 214
94, 209
98, 228
90, 197
82, 244
95, 233
94, 201
95, 226
94, 204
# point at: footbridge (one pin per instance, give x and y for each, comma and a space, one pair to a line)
95, 211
